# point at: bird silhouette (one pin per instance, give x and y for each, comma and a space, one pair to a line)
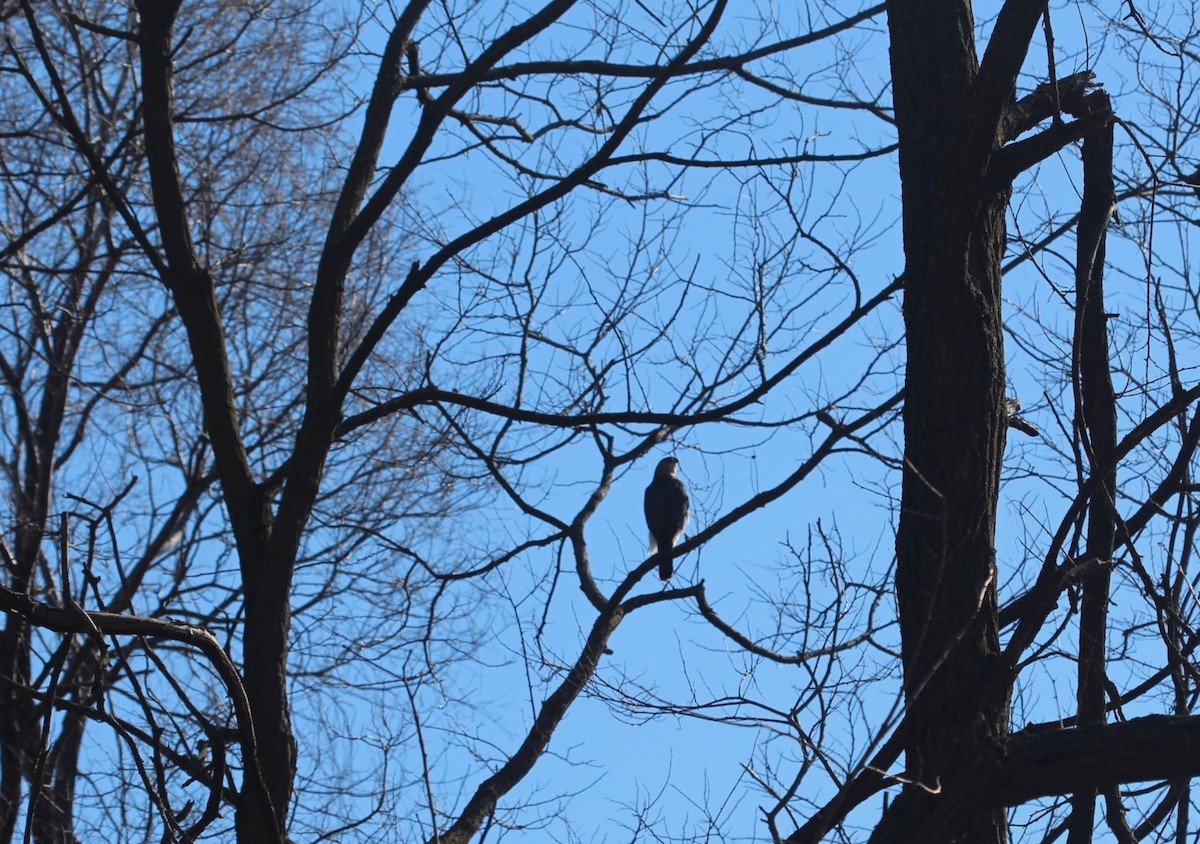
666, 512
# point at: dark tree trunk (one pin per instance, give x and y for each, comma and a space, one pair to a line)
1096, 425
264, 667
954, 418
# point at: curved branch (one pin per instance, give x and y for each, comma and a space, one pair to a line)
88, 623
748, 644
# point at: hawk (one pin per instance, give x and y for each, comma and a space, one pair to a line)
666, 512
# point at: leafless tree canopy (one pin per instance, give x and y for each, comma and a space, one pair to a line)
341, 340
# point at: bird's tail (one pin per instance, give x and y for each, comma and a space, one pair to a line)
666, 565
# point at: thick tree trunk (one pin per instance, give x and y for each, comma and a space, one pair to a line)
945, 578
954, 417
264, 669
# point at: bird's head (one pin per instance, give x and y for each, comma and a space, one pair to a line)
666, 467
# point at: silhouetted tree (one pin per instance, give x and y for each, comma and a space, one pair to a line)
341, 343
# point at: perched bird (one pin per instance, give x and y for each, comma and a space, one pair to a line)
1012, 407
666, 512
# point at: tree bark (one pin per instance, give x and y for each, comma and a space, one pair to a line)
949, 121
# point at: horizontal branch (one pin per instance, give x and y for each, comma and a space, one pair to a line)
1042, 764
600, 67
757, 161
431, 395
